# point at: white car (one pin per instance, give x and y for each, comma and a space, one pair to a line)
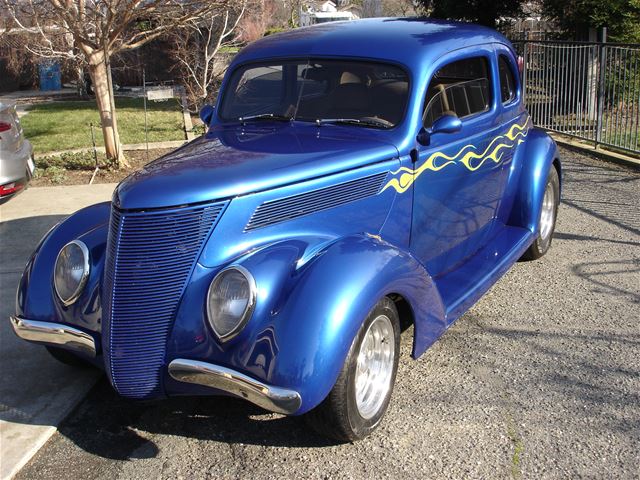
16, 154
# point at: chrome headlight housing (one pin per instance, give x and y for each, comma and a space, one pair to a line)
71, 271
230, 301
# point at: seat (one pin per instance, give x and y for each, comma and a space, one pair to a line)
350, 100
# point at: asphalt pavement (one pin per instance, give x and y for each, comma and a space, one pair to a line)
540, 379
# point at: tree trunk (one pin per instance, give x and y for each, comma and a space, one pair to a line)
99, 77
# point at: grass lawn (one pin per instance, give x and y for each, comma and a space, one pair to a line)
65, 125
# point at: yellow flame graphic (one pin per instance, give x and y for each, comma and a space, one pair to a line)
404, 177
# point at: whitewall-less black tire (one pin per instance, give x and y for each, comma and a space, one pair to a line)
547, 219
359, 399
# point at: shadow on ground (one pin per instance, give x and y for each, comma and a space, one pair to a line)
107, 425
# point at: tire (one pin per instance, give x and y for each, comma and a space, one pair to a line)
547, 219
68, 358
348, 413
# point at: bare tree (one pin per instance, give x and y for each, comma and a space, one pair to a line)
254, 25
91, 31
196, 46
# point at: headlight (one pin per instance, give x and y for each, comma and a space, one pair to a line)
71, 271
230, 301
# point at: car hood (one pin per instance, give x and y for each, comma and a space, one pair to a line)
232, 161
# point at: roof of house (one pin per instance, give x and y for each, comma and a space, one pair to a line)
403, 40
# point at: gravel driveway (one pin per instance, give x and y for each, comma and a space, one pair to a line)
541, 379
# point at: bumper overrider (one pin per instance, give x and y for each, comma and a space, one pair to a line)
275, 399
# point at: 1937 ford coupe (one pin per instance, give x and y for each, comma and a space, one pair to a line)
356, 178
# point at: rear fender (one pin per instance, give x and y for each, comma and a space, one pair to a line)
538, 157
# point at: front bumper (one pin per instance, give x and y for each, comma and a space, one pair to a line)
275, 399
54, 334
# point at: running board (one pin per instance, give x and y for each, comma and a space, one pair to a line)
464, 286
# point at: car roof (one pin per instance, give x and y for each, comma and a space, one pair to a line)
409, 41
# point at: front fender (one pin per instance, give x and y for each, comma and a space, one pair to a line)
36, 298
312, 312
538, 156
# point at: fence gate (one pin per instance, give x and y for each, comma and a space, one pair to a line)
586, 90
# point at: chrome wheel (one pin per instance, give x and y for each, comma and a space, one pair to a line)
547, 216
375, 366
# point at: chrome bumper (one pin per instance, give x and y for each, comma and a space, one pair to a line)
275, 399
54, 334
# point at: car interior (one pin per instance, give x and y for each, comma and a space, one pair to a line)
460, 88
324, 90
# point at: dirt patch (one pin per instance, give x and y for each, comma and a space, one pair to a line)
137, 159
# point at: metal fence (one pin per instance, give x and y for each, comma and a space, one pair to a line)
584, 89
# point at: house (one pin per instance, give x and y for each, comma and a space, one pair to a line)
327, 11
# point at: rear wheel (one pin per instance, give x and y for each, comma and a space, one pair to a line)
66, 357
547, 220
356, 404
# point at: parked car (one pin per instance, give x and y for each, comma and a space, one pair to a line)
16, 154
356, 178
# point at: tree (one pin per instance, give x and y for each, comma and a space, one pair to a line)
400, 8
195, 48
484, 12
91, 31
575, 17
257, 21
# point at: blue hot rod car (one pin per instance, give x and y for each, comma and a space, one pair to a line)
356, 178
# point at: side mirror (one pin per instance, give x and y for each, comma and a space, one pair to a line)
449, 123
206, 114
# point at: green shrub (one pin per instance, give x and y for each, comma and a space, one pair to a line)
271, 31
199, 129
55, 174
72, 161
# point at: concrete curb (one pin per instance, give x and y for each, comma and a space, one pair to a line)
606, 155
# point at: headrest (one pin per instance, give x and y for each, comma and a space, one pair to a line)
349, 77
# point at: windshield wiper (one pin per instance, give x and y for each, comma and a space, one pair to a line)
266, 116
369, 122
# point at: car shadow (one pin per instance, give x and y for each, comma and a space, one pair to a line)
107, 425
19, 237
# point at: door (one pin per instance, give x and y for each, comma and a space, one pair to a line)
459, 177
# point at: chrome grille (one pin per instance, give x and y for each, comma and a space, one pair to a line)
150, 257
276, 211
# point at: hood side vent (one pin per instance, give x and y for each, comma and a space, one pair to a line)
282, 209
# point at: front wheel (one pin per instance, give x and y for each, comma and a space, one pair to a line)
356, 404
547, 220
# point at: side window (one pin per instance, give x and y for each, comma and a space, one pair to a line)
507, 80
460, 88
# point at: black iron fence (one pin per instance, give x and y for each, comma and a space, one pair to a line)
587, 90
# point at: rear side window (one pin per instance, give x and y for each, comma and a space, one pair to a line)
462, 88
507, 80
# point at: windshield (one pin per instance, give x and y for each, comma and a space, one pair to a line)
365, 94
